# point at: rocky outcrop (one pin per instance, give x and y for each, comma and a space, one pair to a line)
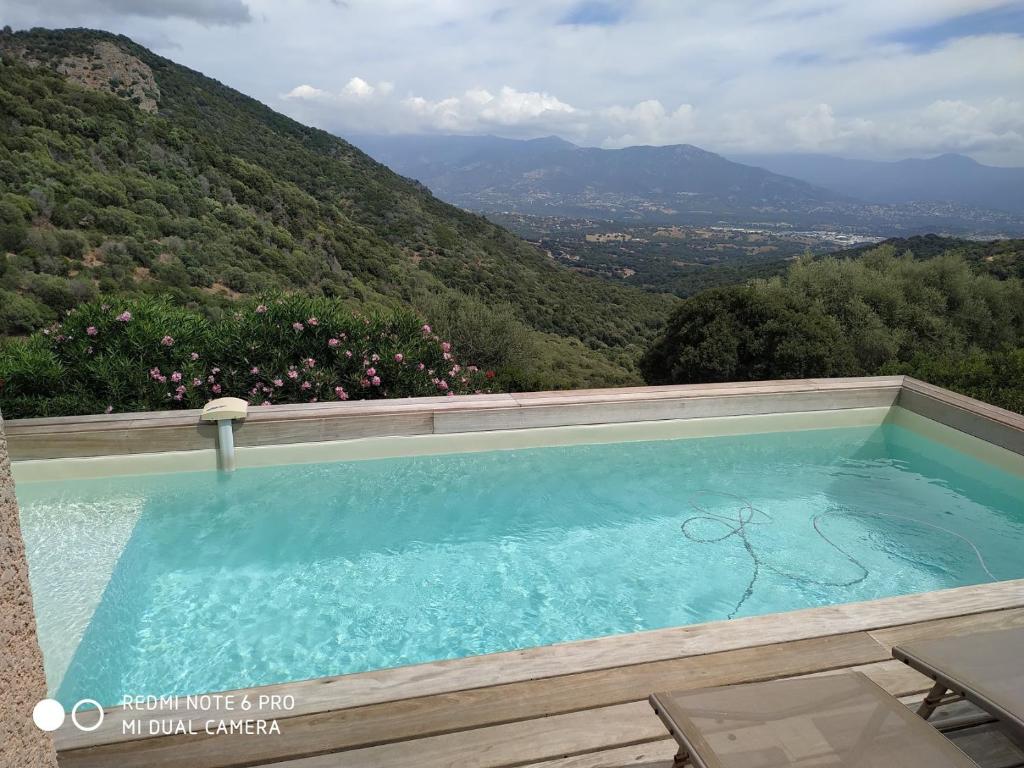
104, 67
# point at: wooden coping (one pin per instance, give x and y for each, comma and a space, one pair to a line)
132, 433
158, 432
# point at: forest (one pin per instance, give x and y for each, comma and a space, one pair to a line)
945, 319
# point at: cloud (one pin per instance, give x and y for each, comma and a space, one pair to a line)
378, 108
358, 88
229, 12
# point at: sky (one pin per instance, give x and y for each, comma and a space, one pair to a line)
878, 79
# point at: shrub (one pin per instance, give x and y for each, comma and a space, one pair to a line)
150, 354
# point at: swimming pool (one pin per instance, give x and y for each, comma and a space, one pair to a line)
192, 581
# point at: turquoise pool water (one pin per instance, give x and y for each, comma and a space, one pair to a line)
196, 582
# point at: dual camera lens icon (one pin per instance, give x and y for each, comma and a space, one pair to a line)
48, 715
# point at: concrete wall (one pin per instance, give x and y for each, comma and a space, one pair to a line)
22, 682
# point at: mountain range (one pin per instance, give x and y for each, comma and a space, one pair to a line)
950, 177
684, 184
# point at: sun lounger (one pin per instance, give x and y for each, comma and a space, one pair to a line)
986, 668
829, 721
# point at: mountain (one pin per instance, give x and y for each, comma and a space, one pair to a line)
553, 176
946, 178
124, 172
676, 184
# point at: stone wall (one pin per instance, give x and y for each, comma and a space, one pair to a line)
22, 682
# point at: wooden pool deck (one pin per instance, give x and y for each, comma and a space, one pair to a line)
577, 705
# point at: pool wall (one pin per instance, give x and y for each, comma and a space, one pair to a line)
96, 446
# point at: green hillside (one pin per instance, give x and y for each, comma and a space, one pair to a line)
122, 172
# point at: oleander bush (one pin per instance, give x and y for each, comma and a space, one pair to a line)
137, 354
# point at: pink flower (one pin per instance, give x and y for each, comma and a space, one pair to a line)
260, 310
298, 326
215, 370
447, 355
92, 330
364, 382
254, 370
310, 362
348, 353
194, 356
265, 402
305, 385
167, 341
426, 329
197, 382
176, 377
399, 357
420, 366
442, 385
371, 372
154, 373
293, 374
340, 393
472, 369
375, 381
278, 383
446, 346
180, 390
333, 343
162, 379
109, 409
375, 358
215, 389
312, 321
125, 317
210, 379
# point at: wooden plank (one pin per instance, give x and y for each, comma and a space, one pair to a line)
416, 718
556, 414
507, 745
651, 754
988, 746
364, 688
956, 625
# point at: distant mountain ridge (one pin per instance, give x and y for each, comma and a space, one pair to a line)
684, 184
543, 175
949, 177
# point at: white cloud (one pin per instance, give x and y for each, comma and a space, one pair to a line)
359, 88
305, 92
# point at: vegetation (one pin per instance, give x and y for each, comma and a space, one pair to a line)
882, 313
214, 198
149, 354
